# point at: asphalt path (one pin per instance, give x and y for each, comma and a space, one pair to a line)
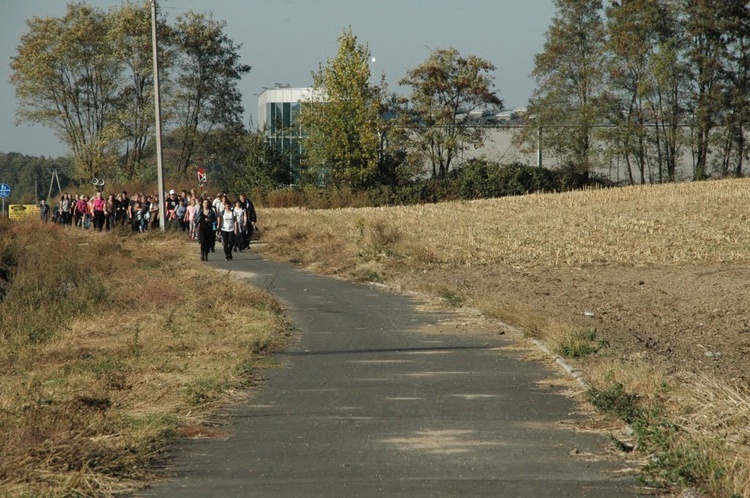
376, 397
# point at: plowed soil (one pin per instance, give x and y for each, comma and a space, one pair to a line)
686, 318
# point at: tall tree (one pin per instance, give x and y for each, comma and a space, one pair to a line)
131, 31
703, 26
570, 79
206, 95
446, 89
736, 98
66, 78
630, 27
648, 80
265, 168
342, 118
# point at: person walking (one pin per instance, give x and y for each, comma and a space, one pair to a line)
79, 214
192, 210
44, 211
109, 212
239, 213
65, 210
121, 209
205, 227
99, 207
250, 216
229, 229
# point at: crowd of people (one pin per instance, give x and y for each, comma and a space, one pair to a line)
201, 217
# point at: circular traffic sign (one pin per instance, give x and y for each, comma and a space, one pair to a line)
4, 190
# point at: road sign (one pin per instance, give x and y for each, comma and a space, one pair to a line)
4, 190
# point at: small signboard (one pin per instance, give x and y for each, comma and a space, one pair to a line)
22, 211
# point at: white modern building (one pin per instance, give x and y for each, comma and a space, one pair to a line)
278, 109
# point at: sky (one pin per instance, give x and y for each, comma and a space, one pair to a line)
285, 41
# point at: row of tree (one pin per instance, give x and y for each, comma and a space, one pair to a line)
89, 76
645, 81
641, 80
34, 178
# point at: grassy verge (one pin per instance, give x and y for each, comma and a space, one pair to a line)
690, 427
110, 347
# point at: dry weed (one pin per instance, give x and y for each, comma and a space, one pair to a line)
110, 344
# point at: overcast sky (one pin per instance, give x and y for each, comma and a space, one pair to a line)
285, 40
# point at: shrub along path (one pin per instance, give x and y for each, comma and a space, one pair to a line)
378, 397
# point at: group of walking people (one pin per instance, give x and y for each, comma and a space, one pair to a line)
204, 219
232, 222
80, 211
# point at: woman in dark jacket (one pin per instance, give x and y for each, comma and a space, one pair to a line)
205, 227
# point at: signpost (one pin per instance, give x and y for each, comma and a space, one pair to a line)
4, 192
201, 178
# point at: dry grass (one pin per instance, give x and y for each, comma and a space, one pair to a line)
667, 224
111, 346
448, 249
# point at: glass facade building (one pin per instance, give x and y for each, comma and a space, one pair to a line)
278, 109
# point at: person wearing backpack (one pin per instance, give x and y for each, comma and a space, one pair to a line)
229, 229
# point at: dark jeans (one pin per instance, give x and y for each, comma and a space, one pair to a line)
239, 241
227, 240
207, 239
99, 220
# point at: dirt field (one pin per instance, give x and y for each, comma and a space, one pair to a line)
689, 318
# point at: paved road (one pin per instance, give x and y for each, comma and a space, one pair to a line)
375, 399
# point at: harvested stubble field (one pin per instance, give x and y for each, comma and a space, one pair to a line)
657, 277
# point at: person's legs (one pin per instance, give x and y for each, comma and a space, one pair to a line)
99, 220
211, 235
227, 240
204, 243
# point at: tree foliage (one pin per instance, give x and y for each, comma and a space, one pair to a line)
89, 76
447, 89
131, 31
265, 167
206, 95
736, 93
66, 77
658, 78
646, 88
342, 117
31, 177
567, 102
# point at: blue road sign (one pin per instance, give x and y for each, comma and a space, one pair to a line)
4, 190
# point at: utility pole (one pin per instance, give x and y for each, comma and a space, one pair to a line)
157, 112
539, 147
51, 182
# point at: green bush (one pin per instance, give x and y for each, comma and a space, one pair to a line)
475, 179
482, 179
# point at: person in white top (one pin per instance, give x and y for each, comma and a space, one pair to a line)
218, 205
239, 213
229, 229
